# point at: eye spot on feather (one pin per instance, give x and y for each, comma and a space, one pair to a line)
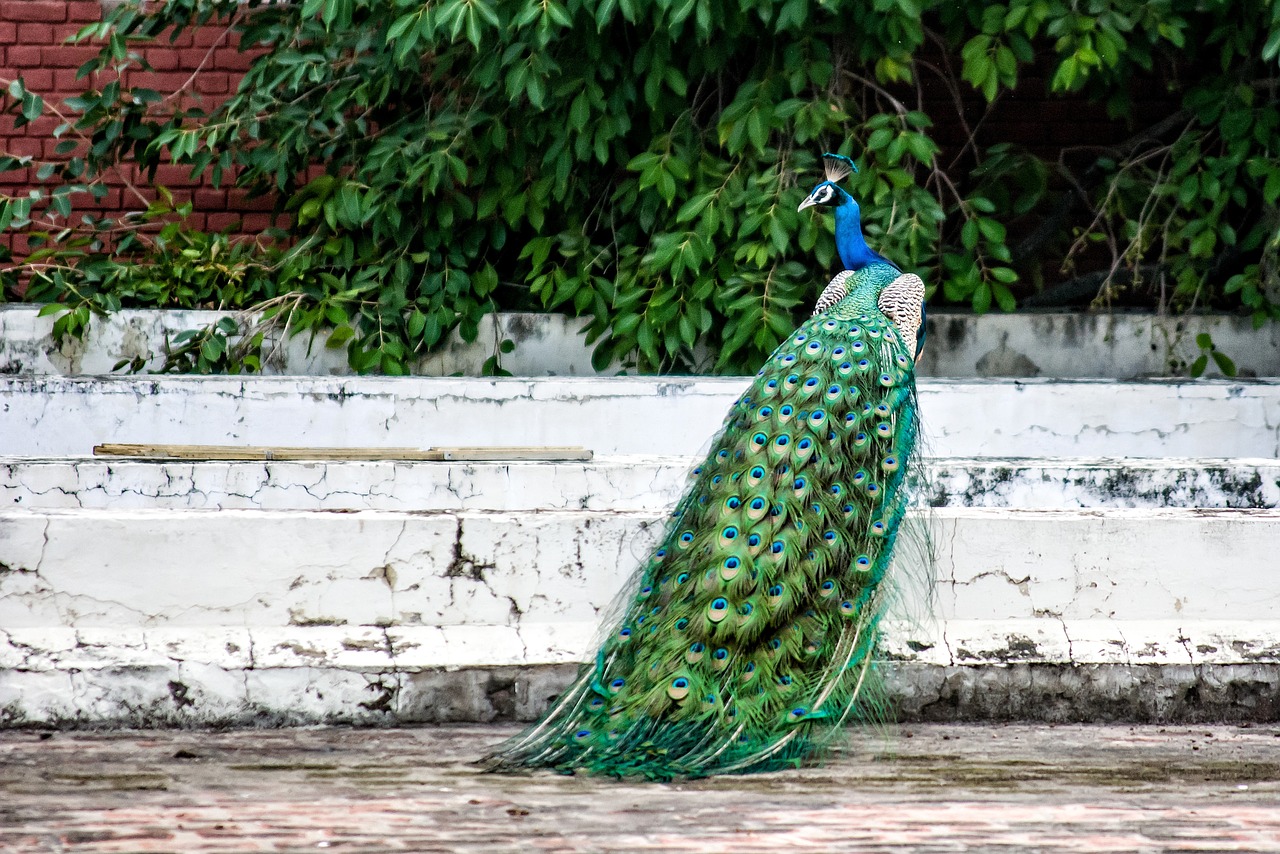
827, 589
791, 381
686, 539
718, 609
813, 348
694, 653
800, 338
785, 412
884, 430
778, 547
890, 464
732, 503
624, 634
682, 624
862, 564
645, 591
753, 540
617, 685
763, 413
678, 689
847, 609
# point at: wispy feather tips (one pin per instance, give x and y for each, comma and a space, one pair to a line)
837, 166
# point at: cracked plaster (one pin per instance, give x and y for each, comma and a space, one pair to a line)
639, 484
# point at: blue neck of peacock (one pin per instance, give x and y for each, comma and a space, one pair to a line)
854, 251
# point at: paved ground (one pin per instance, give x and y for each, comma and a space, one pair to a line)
919, 789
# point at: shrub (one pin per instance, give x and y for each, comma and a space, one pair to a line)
638, 161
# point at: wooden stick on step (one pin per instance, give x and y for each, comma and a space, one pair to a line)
264, 452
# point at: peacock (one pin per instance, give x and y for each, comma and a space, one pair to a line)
748, 636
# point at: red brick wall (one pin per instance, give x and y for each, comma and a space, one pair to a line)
32, 36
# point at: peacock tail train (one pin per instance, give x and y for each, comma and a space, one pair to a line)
748, 639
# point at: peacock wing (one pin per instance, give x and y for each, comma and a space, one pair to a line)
902, 301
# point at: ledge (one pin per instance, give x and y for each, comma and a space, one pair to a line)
1051, 344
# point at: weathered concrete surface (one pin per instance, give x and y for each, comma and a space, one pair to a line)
926, 789
57, 416
546, 345
154, 569
193, 616
1071, 344
606, 483
1049, 344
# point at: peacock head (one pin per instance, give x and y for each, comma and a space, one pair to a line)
838, 167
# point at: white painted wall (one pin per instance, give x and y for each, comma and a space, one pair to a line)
55, 416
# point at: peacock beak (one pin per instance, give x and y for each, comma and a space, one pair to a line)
807, 203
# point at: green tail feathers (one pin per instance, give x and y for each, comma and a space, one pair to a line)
749, 636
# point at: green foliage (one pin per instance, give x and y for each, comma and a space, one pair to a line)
639, 162
1209, 351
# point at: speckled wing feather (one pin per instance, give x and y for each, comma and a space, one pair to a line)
902, 301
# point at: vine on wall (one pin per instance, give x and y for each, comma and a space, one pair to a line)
639, 162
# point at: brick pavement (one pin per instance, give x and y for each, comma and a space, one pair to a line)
935, 788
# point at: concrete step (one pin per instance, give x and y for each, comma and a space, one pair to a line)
236, 616
606, 483
192, 568
54, 416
